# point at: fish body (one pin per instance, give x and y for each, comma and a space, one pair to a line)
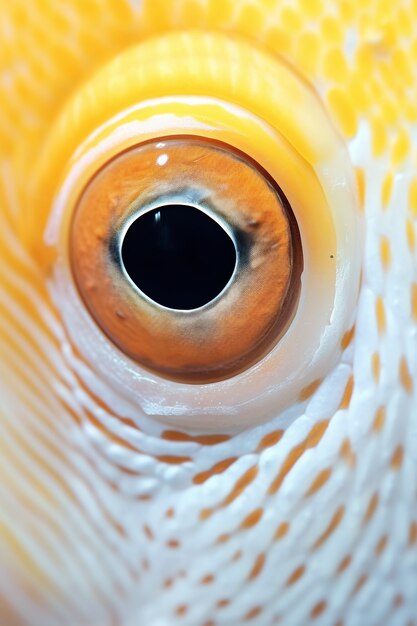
285, 495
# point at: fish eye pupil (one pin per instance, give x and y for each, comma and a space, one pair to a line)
178, 256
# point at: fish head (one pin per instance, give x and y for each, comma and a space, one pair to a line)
239, 447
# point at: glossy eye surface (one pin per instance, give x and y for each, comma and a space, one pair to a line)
188, 256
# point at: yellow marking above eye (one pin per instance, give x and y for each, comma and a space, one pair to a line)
120, 85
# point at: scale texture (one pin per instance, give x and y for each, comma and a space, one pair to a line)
108, 517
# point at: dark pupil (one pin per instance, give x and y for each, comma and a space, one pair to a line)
178, 256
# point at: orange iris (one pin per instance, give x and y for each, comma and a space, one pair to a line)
231, 328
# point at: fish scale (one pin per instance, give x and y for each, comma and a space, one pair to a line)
108, 516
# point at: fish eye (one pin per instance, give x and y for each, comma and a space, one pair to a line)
200, 227
188, 257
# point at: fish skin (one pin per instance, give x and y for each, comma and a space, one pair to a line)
109, 517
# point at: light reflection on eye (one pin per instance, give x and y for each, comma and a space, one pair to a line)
189, 260
162, 159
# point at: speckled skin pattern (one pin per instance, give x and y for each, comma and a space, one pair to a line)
114, 513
